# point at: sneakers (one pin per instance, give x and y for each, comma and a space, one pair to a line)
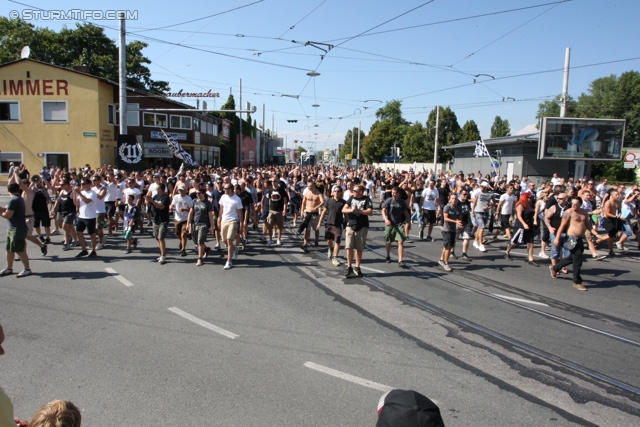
235, 254
429, 239
43, 249
481, 248
401, 264
99, 246
303, 247
278, 243
329, 252
388, 259
24, 273
543, 255
6, 272
217, 247
620, 247
465, 257
358, 272
422, 235
507, 256
598, 257
55, 232
162, 260
335, 262
227, 266
41, 238
82, 253
446, 267
533, 263
75, 243
453, 255
66, 247
349, 272
269, 243
127, 251
207, 249
199, 262
475, 244
93, 254
47, 241
554, 273
183, 253
579, 286
408, 240
441, 263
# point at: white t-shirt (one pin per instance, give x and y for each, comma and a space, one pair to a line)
112, 192
230, 206
120, 191
136, 194
507, 204
88, 210
179, 203
601, 189
429, 197
100, 208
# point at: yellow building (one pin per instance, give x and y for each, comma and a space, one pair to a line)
53, 115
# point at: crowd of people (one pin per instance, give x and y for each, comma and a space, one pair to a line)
224, 206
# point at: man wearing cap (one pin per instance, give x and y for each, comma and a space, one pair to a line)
482, 203
181, 204
199, 222
407, 408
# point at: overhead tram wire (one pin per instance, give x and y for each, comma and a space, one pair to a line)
506, 34
303, 18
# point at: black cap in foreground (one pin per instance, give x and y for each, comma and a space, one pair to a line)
408, 408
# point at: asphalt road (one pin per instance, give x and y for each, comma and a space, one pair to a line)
284, 339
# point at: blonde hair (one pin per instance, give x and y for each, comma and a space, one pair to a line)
59, 413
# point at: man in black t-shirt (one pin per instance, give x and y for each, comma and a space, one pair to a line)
277, 199
395, 213
159, 205
14, 212
332, 212
358, 209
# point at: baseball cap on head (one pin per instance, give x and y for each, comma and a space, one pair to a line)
182, 187
408, 408
485, 184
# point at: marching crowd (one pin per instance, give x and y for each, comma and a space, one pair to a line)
225, 205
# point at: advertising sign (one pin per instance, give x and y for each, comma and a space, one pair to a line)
581, 139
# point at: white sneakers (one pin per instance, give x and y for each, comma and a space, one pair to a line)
227, 266
543, 255
475, 244
481, 248
621, 247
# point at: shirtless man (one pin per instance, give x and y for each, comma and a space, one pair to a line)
611, 212
312, 202
576, 222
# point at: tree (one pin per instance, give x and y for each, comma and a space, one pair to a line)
552, 108
414, 144
86, 45
392, 111
470, 132
379, 141
347, 148
500, 128
613, 171
448, 133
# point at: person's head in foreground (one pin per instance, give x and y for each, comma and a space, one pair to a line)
407, 408
59, 413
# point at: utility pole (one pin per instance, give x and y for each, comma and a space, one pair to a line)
240, 141
122, 80
435, 148
565, 83
358, 162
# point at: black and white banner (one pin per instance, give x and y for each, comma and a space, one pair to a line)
178, 151
130, 153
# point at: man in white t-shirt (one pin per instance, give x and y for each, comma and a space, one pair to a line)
87, 213
181, 205
430, 208
601, 191
229, 220
556, 179
505, 210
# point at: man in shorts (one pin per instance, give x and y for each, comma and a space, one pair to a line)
451, 215
395, 213
430, 208
159, 205
332, 212
358, 209
228, 221
28, 195
200, 222
181, 205
14, 212
277, 199
482, 204
101, 209
312, 202
86, 217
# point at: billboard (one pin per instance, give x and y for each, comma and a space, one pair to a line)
581, 139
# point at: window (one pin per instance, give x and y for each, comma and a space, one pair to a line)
196, 124
181, 122
133, 117
7, 158
209, 128
154, 120
55, 112
203, 127
9, 111
215, 129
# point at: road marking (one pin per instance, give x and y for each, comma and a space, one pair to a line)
371, 269
344, 376
118, 277
521, 300
202, 323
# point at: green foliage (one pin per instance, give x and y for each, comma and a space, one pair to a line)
228, 150
500, 128
552, 109
379, 141
613, 171
301, 149
470, 132
346, 148
392, 111
449, 133
414, 144
87, 45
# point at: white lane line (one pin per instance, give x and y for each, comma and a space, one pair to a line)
202, 323
521, 300
344, 376
371, 269
118, 277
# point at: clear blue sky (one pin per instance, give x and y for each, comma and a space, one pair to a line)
424, 53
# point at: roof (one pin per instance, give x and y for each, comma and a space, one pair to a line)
102, 79
530, 138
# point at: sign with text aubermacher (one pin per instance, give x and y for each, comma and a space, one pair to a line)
176, 136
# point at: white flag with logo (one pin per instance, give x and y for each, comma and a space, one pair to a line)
481, 149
